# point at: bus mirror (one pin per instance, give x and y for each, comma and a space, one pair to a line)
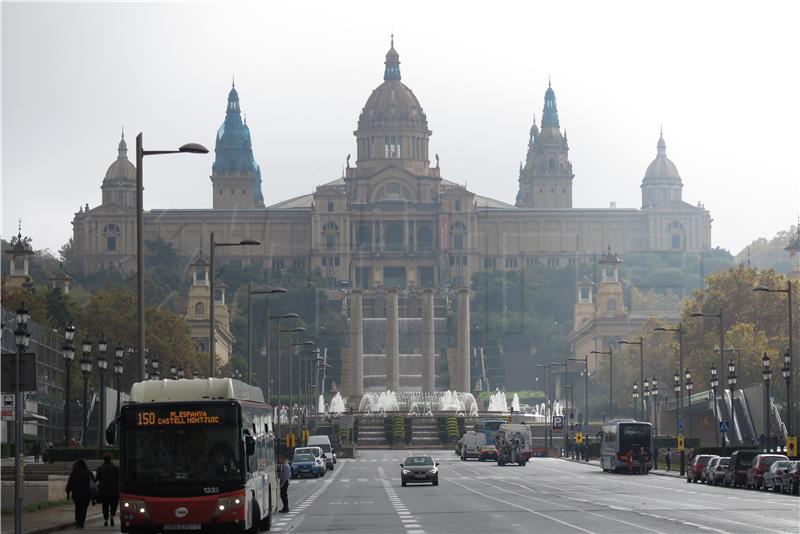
250, 445
111, 433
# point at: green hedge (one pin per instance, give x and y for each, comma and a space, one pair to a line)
70, 454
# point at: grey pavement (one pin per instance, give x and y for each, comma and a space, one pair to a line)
548, 495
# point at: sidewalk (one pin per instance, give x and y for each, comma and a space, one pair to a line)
51, 519
660, 472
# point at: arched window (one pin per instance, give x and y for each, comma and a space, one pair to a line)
364, 238
458, 205
394, 237
330, 205
551, 164
199, 311
675, 230
424, 238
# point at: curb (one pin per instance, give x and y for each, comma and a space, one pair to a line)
63, 526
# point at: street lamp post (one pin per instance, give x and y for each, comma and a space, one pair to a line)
689, 385
212, 322
86, 368
790, 353
22, 338
787, 377
191, 148
641, 367
250, 293
646, 399
635, 396
102, 365
180, 371
610, 353
302, 393
585, 361
767, 375
119, 352
69, 356
731, 378
154, 373
278, 352
291, 373
654, 396
676, 387
714, 382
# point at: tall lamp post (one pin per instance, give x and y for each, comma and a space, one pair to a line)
610, 353
212, 322
548, 402
714, 382
280, 381
250, 293
22, 338
69, 356
646, 399
635, 396
654, 396
119, 368
721, 356
86, 368
787, 377
191, 148
278, 318
688, 384
790, 353
296, 330
677, 382
585, 361
767, 375
641, 367
102, 365
731, 378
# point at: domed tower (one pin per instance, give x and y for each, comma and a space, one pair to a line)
662, 184
235, 177
546, 179
392, 127
119, 184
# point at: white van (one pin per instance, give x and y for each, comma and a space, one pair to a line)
471, 443
324, 442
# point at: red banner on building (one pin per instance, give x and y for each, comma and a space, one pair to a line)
443, 220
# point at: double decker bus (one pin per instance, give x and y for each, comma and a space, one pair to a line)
622, 436
196, 455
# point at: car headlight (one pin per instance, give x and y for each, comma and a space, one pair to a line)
432, 471
406, 471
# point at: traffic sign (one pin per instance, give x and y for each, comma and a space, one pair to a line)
7, 410
578, 438
680, 423
791, 446
680, 443
558, 422
724, 426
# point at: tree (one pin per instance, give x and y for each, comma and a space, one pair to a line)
768, 253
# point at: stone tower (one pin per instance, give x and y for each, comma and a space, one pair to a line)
197, 312
119, 183
235, 177
584, 307
662, 184
20, 253
545, 181
609, 298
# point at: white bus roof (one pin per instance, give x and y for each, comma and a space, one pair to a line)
194, 389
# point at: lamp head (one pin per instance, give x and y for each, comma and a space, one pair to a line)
69, 332
765, 361
69, 352
731, 367
87, 345
119, 351
713, 370
22, 315
102, 344
249, 242
193, 148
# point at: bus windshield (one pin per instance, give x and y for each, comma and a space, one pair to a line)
634, 435
190, 445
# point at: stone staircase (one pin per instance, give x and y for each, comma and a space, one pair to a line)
371, 433
425, 433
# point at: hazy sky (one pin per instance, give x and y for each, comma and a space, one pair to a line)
722, 79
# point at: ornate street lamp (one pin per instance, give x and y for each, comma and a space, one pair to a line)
102, 365
635, 395
180, 371
767, 375
68, 350
195, 374
688, 385
119, 352
787, 376
654, 395
714, 384
86, 368
23, 339
154, 374
173, 371
646, 400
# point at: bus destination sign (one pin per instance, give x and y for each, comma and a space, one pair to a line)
177, 418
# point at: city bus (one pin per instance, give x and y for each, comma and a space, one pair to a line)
196, 455
621, 436
489, 427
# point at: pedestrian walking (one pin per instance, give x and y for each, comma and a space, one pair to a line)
630, 461
284, 474
667, 458
81, 488
36, 451
108, 489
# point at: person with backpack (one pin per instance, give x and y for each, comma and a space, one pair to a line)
108, 489
81, 488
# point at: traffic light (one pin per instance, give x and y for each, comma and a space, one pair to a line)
791, 446
680, 443
579, 438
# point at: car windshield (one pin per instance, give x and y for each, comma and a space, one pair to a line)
769, 460
724, 461
304, 457
418, 460
312, 452
781, 464
325, 447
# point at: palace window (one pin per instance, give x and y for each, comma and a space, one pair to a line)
199, 311
330, 231
489, 263
424, 238
299, 265
391, 147
277, 264
394, 237
459, 232
552, 263
458, 205
511, 263
120, 198
531, 262
330, 205
111, 232
363, 238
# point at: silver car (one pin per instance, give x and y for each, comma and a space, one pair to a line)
707, 475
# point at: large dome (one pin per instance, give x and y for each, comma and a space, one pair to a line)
121, 169
392, 104
662, 168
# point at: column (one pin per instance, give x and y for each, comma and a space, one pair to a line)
462, 365
392, 342
428, 348
356, 345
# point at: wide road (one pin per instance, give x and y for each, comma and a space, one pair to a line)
546, 496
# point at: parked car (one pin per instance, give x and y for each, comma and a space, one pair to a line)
419, 469
324, 442
306, 464
758, 466
774, 474
718, 475
316, 451
708, 469
790, 479
736, 474
696, 467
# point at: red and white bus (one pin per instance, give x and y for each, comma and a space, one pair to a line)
196, 455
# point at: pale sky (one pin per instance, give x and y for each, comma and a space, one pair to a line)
721, 77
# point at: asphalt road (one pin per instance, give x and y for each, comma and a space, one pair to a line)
546, 496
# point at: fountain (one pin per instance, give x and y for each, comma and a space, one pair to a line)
418, 403
337, 406
498, 402
515, 403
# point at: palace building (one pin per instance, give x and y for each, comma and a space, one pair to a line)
393, 219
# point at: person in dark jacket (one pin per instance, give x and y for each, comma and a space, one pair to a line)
108, 489
79, 489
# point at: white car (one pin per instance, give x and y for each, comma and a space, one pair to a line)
471, 443
774, 474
